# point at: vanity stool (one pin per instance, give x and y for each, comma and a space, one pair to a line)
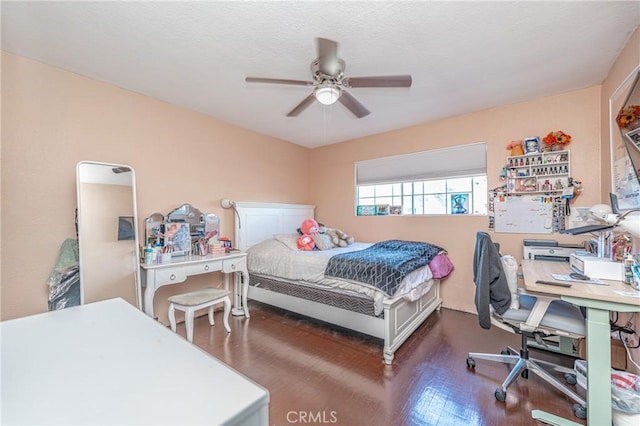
199, 299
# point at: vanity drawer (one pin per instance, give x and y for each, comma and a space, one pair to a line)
234, 265
204, 268
171, 275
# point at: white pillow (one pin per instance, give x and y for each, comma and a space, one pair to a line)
289, 240
510, 267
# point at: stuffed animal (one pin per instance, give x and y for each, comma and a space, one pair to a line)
309, 227
338, 237
305, 242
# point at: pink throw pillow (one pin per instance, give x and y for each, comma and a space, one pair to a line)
441, 266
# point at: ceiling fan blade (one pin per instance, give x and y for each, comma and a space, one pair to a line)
277, 81
353, 105
380, 81
302, 106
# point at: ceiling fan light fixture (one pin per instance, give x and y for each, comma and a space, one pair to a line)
327, 95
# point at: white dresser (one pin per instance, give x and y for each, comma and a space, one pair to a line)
108, 363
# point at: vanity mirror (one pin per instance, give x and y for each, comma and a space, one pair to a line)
107, 233
180, 228
624, 107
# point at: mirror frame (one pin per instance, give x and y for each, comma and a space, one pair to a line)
622, 166
137, 283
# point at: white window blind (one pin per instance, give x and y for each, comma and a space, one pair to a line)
458, 161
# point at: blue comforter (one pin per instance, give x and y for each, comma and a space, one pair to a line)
383, 265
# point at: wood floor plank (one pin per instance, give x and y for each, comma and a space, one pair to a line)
320, 374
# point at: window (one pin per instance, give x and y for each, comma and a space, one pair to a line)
447, 181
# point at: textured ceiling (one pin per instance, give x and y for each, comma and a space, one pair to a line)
463, 56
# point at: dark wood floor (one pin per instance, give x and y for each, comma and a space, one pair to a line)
319, 374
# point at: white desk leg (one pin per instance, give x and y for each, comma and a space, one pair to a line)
240, 293
237, 297
598, 367
149, 292
244, 284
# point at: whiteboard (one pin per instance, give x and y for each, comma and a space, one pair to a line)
523, 214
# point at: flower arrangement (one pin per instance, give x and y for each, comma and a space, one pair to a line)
557, 138
628, 115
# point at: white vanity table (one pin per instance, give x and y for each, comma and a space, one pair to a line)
181, 267
108, 363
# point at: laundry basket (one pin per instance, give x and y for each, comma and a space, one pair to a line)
625, 398
625, 394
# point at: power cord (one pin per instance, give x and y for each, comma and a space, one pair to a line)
626, 329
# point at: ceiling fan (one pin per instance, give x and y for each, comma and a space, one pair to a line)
329, 83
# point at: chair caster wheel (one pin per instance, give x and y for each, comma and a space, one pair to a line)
471, 363
505, 352
579, 411
500, 395
570, 378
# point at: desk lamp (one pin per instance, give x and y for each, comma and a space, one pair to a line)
230, 204
612, 217
617, 218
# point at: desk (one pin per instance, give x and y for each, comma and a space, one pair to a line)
108, 363
599, 301
177, 271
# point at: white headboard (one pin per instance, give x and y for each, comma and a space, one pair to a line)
256, 222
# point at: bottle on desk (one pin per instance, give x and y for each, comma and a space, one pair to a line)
628, 273
149, 255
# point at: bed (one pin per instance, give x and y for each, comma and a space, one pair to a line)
266, 230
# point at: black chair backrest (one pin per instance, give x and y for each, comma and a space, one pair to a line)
491, 282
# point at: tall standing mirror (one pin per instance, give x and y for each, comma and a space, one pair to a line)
624, 108
107, 233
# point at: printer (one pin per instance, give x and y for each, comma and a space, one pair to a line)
548, 250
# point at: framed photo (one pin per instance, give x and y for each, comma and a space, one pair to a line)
366, 210
460, 203
382, 209
395, 210
531, 145
178, 236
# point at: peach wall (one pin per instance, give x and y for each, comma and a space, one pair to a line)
52, 119
577, 113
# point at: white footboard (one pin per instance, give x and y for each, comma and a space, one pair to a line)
401, 317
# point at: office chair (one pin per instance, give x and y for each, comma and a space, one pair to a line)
538, 316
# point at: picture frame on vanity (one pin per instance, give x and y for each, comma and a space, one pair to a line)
178, 237
531, 145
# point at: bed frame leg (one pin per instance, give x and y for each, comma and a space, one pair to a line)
388, 358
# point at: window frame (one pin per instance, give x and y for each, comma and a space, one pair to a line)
474, 204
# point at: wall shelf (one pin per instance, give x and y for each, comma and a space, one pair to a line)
539, 173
